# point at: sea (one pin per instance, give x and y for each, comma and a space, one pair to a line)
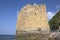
7, 37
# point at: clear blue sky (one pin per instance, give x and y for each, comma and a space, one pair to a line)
9, 9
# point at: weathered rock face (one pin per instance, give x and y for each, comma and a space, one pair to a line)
33, 17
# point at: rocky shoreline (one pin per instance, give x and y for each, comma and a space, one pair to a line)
39, 36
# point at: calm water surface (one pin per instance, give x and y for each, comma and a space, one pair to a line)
7, 37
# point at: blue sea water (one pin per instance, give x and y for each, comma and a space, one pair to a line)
7, 37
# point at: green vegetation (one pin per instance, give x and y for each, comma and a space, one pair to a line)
55, 22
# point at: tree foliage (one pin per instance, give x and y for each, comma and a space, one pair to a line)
54, 22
